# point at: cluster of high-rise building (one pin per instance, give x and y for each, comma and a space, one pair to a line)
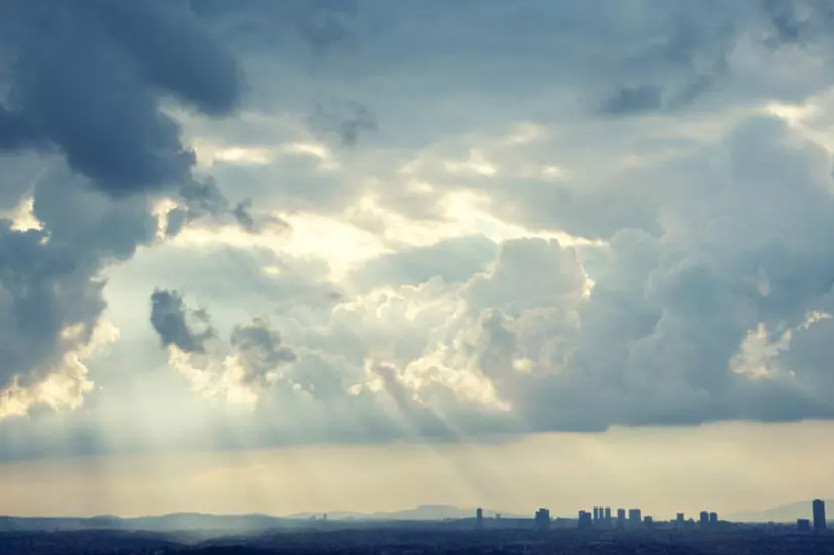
602, 517
542, 519
633, 518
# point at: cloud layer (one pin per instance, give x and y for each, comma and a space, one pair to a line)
473, 220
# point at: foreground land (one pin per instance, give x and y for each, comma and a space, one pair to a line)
425, 538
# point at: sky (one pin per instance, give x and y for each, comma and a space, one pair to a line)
320, 255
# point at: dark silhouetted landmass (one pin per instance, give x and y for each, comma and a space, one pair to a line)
200, 534
417, 540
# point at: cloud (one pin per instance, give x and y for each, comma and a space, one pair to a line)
703, 317
453, 260
87, 78
661, 334
251, 365
16, 132
66, 383
178, 325
503, 259
346, 122
321, 24
631, 100
258, 350
84, 87
258, 222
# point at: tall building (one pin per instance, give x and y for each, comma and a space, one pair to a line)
634, 517
679, 522
703, 518
542, 519
596, 514
621, 518
713, 519
479, 517
585, 520
608, 514
819, 515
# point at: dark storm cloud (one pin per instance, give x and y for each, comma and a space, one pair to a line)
45, 289
16, 132
51, 299
84, 81
87, 77
175, 53
177, 324
89, 224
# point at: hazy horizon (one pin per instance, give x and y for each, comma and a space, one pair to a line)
729, 468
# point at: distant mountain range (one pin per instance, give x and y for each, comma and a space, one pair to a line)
176, 522
199, 522
783, 513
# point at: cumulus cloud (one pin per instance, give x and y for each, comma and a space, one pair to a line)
238, 372
259, 347
717, 314
64, 385
178, 325
84, 85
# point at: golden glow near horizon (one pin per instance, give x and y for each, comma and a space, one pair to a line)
728, 467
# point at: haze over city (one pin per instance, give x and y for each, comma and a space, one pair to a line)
308, 256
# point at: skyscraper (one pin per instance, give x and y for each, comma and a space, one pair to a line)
634, 517
479, 517
713, 519
542, 519
608, 514
819, 515
585, 520
621, 518
703, 518
679, 522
